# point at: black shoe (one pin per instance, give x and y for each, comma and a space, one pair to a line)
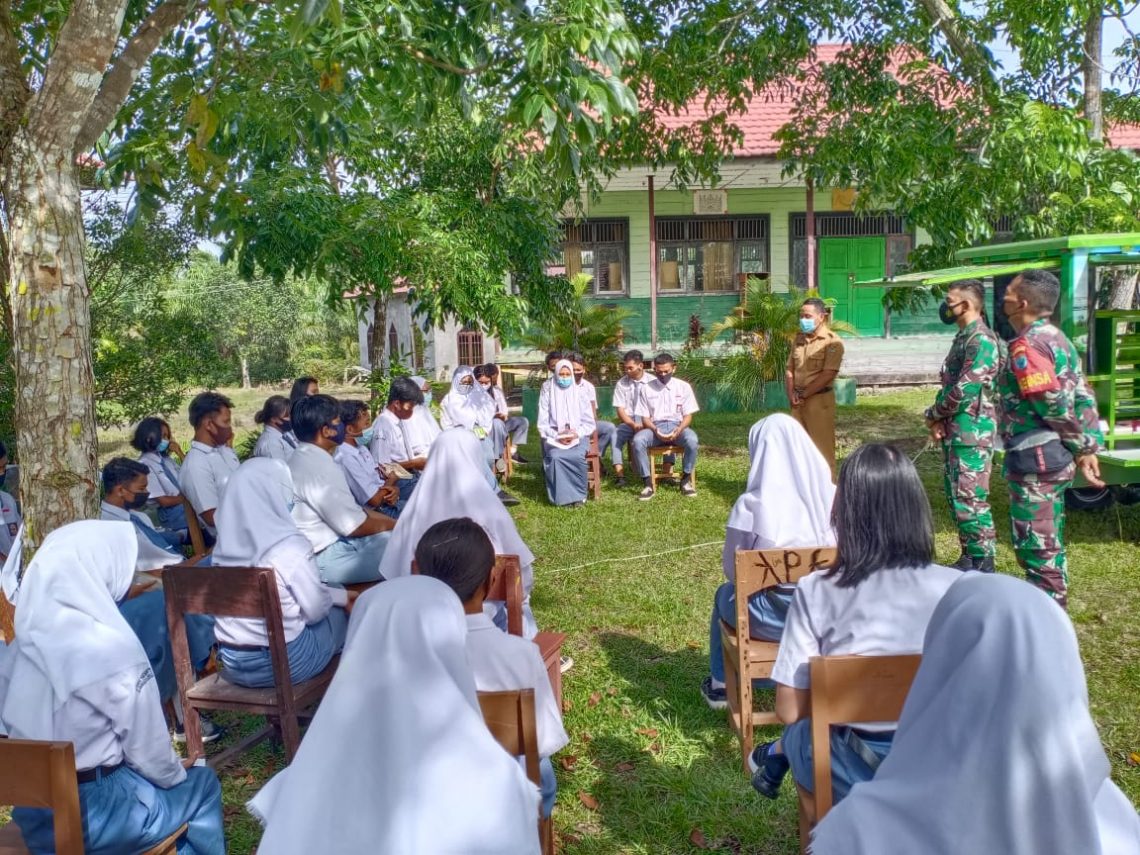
984, 565
768, 770
687, 488
619, 481
210, 731
646, 494
715, 697
519, 459
507, 499
964, 562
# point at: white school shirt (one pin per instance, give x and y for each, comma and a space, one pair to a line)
359, 467
884, 615
390, 440
272, 444
158, 482
506, 663
9, 522
150, 556
204, 473
305, 599
501, 407
628, 392
326, 509
666, 403
589, 391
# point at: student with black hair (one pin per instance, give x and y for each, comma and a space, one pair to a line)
504, 424
876, 600
276, 441
459, 552
359, 466
158, 452
124, 496
666, 410
348, 540
210, 461
604, 429
303, 387
10, 519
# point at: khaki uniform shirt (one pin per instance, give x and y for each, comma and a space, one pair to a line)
812, 354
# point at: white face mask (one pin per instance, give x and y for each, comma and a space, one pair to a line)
465, 389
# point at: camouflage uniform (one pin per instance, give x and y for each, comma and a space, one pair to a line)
966, 407
1042, 387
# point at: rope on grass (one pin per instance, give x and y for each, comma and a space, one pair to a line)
634, 557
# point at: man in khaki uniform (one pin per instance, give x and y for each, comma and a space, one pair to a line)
812, 368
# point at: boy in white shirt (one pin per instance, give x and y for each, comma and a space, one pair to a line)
605, 429
210, 461
627, 393
10, 519
666, 410
348, 540
459, 552
368, 487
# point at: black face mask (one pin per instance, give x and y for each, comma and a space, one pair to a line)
946, 314
138, 501
663, 379
286, 426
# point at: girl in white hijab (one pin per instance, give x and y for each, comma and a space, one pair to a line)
256, 529
422, 426
468, 407
565, 423
76, 672
452, 486
398, 758
996, 750
786, 503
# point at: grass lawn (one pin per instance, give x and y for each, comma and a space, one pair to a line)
650, 769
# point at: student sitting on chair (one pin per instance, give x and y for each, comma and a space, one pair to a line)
348, 540
255, 529
875, 601
469, 408
544, 390
786, 503
402, 436
565, 423
605, 429
422, 426
124, 496
10, 519
276, 440
359, 466
303, 387
666, 410
504, 424
398, 758
452, 486
458, 552
996, 750
210, 461
157, 453
627, 392
77, 673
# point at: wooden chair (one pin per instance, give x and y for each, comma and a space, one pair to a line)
510, 717
594, 468
849, 689
197, 541
656, 453
42, 775
746, 658
508, 459
506, 585
240, 592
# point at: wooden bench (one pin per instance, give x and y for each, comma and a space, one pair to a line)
239, 592
656, 452
594, 468
39, 774
746, 658
510, 716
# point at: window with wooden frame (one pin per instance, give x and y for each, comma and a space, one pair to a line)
598, 248
701, 255
470, 344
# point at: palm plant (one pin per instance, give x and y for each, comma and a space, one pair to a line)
592, 329
766, 324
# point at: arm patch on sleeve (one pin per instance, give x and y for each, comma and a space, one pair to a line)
1033, 369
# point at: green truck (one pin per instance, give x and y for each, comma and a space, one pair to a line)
1109, 339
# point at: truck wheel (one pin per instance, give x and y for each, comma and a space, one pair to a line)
1088, 498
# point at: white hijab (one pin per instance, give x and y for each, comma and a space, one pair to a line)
69, 632
564, 406
254, 514
996, 751
454, 485
422, 428
398, 758
789, 495
468, 409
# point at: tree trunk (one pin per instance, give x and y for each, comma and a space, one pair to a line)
1122, 294
245, 384
1091, 71
377, 339
51, 338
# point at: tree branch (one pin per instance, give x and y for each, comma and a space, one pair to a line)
447, 66
14, 89
119, 80
968, 51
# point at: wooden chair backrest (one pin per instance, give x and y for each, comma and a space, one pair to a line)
757, 569
197, 541
42, 775
7, 620
510, 717
506, 585
852, 689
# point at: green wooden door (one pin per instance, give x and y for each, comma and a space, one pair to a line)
844, 261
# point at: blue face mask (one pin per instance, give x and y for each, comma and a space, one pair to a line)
427, 397
807, 325
339, 438
565, 382
162, 446
366, 437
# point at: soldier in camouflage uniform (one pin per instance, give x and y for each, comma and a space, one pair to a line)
1042, 389
964, 418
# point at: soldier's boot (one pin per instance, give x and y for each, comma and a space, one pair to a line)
964, 562
984, 565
